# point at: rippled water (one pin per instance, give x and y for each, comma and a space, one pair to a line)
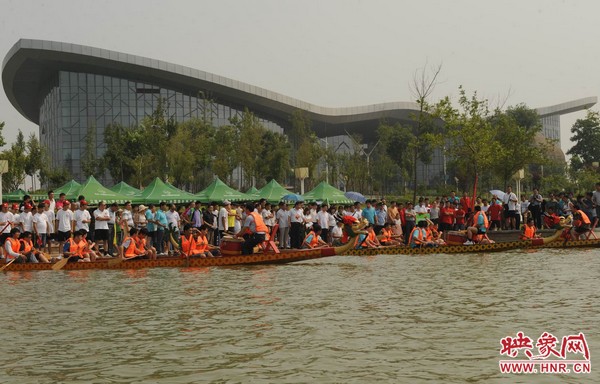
401, 319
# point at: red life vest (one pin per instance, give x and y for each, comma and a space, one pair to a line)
130, 250
202, 244
387, 235
528, 232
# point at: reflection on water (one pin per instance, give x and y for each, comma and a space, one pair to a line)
410, 319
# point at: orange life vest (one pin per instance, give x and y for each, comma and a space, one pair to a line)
371, 236
27, 245
584, 217
202, 244
314, 241
15, 245
130, 250
387, 235
259, 223
75, 248
476, 219
188, 245
419, 237
528, 232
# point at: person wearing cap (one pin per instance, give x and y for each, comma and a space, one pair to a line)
139, 217
40, 227
6, 219
12, 247
253, 231
297, 221
26, 200
77, 248
101, 232
64, 220
223, 219
61, 199
81, 217
51, 224
26, 218
16, 221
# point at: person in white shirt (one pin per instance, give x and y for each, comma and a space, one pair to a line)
283, 219
268, 217
323, 221
511, 200
51, 201
101, 232
127, 216
51, 224
26, 219
6, 218
40, 227
64, 218
357, 213
81, 217
336, 234
297, 221
223, 219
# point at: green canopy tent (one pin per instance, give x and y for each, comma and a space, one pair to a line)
69, 189
14, 196
125, 189
326, 193
253, 192
272, 192
219, 191
158, 191
94, 193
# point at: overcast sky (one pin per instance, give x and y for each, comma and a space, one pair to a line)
339, 53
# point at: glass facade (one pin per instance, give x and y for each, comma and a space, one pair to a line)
77, 101
551, 127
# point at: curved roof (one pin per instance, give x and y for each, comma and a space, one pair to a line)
30, 62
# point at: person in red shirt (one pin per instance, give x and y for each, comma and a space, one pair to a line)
447, 217
495, 213
465, 203
459, 215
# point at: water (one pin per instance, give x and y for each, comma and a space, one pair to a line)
398, 319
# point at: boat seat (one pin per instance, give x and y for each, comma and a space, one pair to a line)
269, 244
591, 232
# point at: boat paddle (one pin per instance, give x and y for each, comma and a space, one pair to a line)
61, 263
7, 264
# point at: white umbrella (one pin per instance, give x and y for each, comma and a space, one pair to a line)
498, 193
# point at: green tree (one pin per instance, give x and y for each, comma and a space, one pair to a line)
275, 157
250, 130
91, 165
2, 141
226, 153
586, 136
306, 149
470, 133
515, 131
35, 159
17, 159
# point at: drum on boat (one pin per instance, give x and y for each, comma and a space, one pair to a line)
456, 237
231, 246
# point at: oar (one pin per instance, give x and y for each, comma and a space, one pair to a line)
7, 264
119, 260
60, 263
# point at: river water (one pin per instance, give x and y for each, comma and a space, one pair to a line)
397, 319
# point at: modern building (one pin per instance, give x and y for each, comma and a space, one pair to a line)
67, 88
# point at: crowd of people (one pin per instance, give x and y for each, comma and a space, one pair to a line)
29, 230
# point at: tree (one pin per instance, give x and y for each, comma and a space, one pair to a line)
586, 136
226, 157
34, 160
275, 157
2, 141
250, 130
17, 159
306, 150
515, 131
470, 133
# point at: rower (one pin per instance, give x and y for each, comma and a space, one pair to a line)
418, 236
313, 239
129, 247
387, 235
480, 225
253, 231
74, 247
188, 241
12, 247
27, 249
529, 230
143, 243
582, 222
203, 247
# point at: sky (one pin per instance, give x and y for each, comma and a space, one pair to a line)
339, 53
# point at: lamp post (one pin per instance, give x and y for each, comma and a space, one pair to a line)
301, 174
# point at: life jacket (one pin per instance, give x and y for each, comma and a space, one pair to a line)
314, 241
552, 221
428, 234
584, 218
419, 237
75, 248
486, 223
130, 250
387, 235
15, 245
259, 223
371, 236
140, 244
188, 245
27, 245
202, 244
528, 232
